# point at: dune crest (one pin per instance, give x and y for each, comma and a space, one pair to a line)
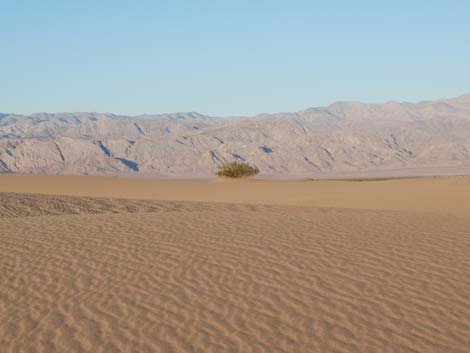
434, 194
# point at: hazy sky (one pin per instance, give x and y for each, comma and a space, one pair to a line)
228, 57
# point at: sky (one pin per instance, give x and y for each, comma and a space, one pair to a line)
228, 57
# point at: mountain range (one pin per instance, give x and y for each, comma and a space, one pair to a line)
342, 139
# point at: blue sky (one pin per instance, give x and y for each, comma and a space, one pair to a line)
228, 57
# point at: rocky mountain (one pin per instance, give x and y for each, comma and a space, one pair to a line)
345, 138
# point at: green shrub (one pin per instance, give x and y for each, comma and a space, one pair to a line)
237, 170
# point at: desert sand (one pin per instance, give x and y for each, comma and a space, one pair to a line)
94, 264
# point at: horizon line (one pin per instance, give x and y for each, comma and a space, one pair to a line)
240, 115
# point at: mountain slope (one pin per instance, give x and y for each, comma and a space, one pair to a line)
340, 139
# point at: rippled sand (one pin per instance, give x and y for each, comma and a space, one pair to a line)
97, 274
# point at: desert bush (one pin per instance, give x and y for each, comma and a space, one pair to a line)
237, 170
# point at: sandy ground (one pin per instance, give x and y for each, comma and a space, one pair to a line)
432, 194
257, 266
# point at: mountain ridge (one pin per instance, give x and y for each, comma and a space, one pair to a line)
463, 97
340, 139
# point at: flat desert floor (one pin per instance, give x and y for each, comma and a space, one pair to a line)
113, 265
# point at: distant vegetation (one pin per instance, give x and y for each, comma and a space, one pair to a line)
237, 170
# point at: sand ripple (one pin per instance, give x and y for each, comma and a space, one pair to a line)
97, 275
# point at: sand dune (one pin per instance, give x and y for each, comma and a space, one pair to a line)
432, 194
100, 274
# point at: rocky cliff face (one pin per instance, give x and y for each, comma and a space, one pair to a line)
341, 139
